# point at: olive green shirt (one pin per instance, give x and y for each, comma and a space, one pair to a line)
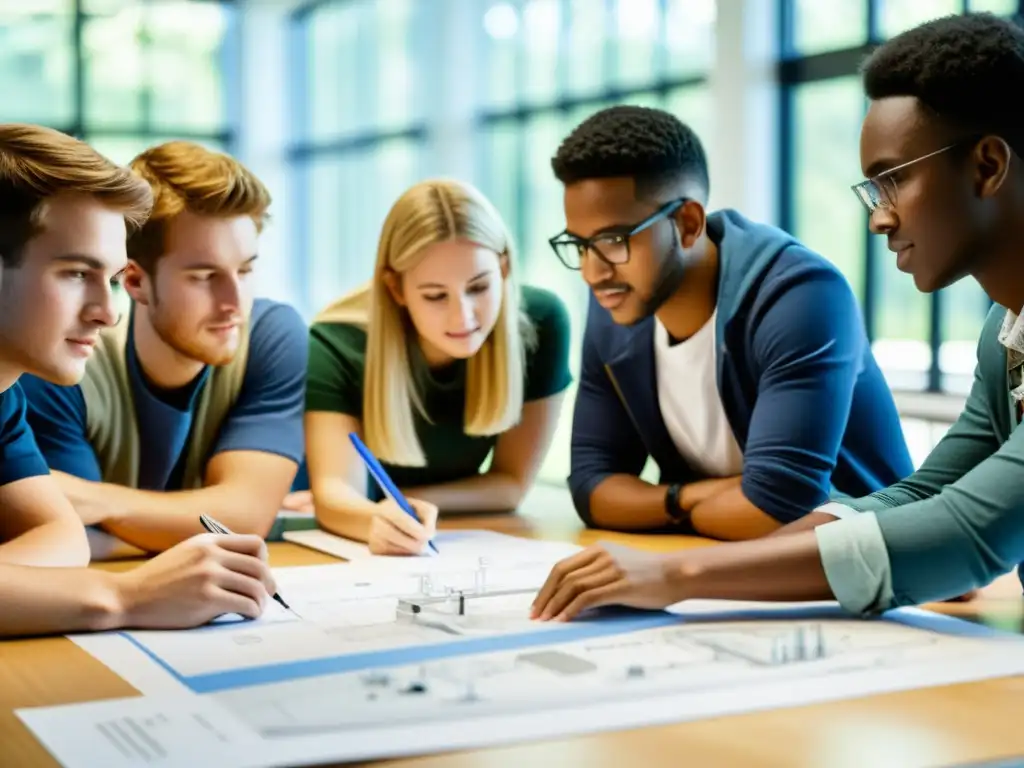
337, 353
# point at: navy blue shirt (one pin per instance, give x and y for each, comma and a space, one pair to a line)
796, 377
266, 417
19, 455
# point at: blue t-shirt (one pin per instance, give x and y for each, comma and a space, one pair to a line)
266, 417
19, 455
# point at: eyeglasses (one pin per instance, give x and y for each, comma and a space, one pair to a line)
880, 191
611, 246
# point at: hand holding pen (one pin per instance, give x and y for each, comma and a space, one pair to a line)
401, 525
214, 527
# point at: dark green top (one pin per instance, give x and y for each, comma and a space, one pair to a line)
337, 353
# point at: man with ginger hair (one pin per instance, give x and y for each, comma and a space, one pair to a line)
192, 403
64, 214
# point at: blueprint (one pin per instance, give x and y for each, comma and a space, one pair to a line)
426, 654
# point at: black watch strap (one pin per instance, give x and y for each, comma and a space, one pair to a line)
673, 508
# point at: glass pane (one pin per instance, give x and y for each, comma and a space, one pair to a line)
498, 169
964, 307
636, 40
185, 66
115, 68
341, 85
325, 220
502, 27
689, 30
828, 25
827, 216
396, 64
998, 7
692, 105
123, 149
585, 39
348, 198
541, 30
901, 322
900, 15
36, 62
544, 217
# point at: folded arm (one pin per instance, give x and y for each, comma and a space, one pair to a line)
517, 457
38, 526
608, 456
808, 349
243, 490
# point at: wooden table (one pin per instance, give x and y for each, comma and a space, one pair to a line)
928, 727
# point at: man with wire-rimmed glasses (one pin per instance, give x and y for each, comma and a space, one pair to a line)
941, 147
722, 349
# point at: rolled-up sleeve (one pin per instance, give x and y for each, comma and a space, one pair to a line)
856, 562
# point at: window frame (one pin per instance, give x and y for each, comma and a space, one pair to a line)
794, 70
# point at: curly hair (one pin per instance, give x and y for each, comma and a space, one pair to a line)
966, 69
651, 146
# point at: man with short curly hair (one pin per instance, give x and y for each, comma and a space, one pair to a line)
940, 149
722, 348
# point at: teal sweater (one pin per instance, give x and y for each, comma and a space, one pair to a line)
955, 524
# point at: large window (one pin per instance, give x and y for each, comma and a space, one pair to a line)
360, 74
122, 75
922, 342
548, 64
380, 82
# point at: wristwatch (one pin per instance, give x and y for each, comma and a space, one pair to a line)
674, 508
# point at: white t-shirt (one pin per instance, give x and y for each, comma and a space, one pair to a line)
690, 404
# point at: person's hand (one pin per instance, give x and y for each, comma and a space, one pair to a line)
606, 574
393, 532
196, 581
299, 501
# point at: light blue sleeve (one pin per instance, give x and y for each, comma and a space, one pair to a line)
856, 561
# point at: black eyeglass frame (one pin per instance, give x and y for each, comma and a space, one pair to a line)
590, 244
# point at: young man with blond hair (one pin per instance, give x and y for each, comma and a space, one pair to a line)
193, 401
64, 214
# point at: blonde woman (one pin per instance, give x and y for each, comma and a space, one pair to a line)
436, 363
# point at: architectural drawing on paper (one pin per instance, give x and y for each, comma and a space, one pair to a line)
396, 656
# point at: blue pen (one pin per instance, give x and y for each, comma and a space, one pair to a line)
384, 481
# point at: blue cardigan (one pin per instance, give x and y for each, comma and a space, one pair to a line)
801, 389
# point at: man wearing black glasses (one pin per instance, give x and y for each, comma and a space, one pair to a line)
941, 149
723, 349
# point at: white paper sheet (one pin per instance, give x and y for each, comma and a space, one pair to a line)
452, 545
352, 677
497, 699
167, 731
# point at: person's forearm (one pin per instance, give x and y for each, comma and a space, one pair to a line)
157, 520
39, 601
730, 516
341, 509
808, 522
61, 544
488, 492
772, 569
627, 503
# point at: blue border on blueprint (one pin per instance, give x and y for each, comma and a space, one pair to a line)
602, 623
